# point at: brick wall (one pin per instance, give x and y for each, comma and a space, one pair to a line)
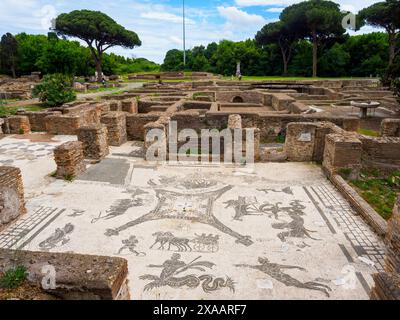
12, 202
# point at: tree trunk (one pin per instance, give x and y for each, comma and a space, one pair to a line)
285, 67
99, 70
14, 75
285, 61
315, 54
392, 48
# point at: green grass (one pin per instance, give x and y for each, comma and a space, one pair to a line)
9, 111
379, 191
13, 278
368, 132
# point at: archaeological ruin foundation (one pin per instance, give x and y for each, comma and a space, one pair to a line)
75, 181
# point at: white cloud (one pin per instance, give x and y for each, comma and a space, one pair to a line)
275, 10
165, 16
356, 5
238, 17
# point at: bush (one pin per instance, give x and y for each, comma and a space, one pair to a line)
55, 90
13, 278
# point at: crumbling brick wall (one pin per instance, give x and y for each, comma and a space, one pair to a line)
305, 141
387, 284
390, 128
69, 158
18, 125
135, 125
94, 139
130, 106
116, 127
63, 124
381, 153
37, 119
12, 201
342, 153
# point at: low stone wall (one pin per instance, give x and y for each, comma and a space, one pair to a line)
37, 119
305, 141
342, 153
390, 128
130, 106
94, 139
12, 201
77, 277
63, 124
240, 97
69, 158
387, 284
381, 153
18, 125
135, 125
281, 101
116, 127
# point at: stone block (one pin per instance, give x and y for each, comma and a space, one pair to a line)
12, 201
342, 154
130, 106
95, 141
69, 159
19, 125
116, 127
77, 276
390, 128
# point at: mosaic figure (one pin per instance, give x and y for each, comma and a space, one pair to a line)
167, 238
58, 238
130, 244
206, 243
274, 270
172, 275
196, 207
286, 190
120, 207
201, 243
294, 228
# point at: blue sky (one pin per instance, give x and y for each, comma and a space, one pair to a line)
158, 22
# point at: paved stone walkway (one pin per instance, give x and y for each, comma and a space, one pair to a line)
280, 231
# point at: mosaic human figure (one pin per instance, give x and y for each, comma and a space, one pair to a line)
294, 228
274, 270
121, 206
58, 238
172, 268
130, 244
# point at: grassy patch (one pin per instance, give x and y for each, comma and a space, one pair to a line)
10, 111
368, 132
13, 278
380, 192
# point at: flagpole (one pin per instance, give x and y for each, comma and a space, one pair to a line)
184, 36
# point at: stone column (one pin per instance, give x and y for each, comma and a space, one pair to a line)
12, 201
94, 139
69, 159
116, 127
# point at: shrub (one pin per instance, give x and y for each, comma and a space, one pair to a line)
55, 90
13, 278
